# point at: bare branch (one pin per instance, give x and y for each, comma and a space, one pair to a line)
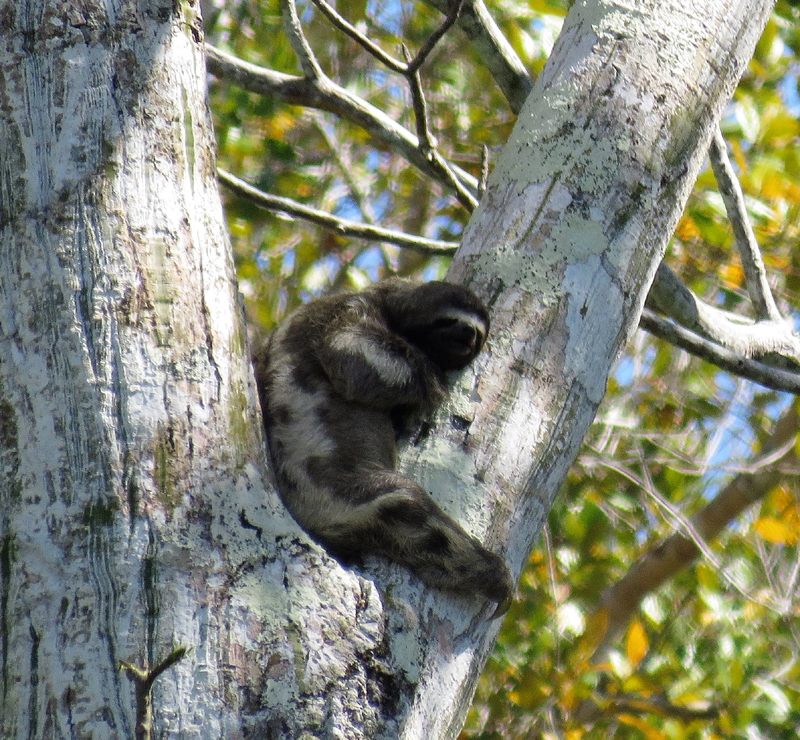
339, 226
771, 377
297, 39
346, 27
426, 142
494, 50
669, 296
411, 65
435, 37
410, 70
465, 197
484, 178
324, 94
749, 251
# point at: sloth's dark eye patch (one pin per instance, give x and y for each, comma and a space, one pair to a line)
444, 323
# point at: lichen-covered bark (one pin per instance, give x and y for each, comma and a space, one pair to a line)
134, 514
564, 246
127, 421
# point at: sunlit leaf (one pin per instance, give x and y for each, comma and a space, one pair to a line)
732, 275
747, 116
775, 531
636, 643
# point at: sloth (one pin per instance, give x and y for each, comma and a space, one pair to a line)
333, 380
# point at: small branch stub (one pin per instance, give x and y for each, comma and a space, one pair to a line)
144, 680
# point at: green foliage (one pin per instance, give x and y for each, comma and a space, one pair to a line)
320, 160
712, 653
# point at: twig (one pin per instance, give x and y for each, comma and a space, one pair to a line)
343, 25
339, 226
352, 184
144, 679
298, 41
676, 552
749, 251
410, 70
435, 37
684, 527
551, 572
493, 48
465, 197
411, 65
344, 167
426, 142
324, 94
770, 377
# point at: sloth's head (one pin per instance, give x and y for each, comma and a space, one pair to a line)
449, 323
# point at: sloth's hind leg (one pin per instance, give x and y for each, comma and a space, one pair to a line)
391, 515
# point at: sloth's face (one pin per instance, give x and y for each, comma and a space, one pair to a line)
453, 341
449, 323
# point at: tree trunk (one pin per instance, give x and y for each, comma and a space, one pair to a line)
127, 418
133, 511
564, 246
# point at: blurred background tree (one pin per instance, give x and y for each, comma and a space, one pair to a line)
710, 645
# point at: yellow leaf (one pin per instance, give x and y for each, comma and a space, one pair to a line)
781, 127
738, 154
732, 275
277, 126
775, 186
636, 644
687, 229
776, 261
775, 531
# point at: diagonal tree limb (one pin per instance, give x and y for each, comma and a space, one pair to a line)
497, 55
766, 375
763, 339
324, 94
749, 251
339, 226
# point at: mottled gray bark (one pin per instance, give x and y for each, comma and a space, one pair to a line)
134, 514
128, 431
564, 246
